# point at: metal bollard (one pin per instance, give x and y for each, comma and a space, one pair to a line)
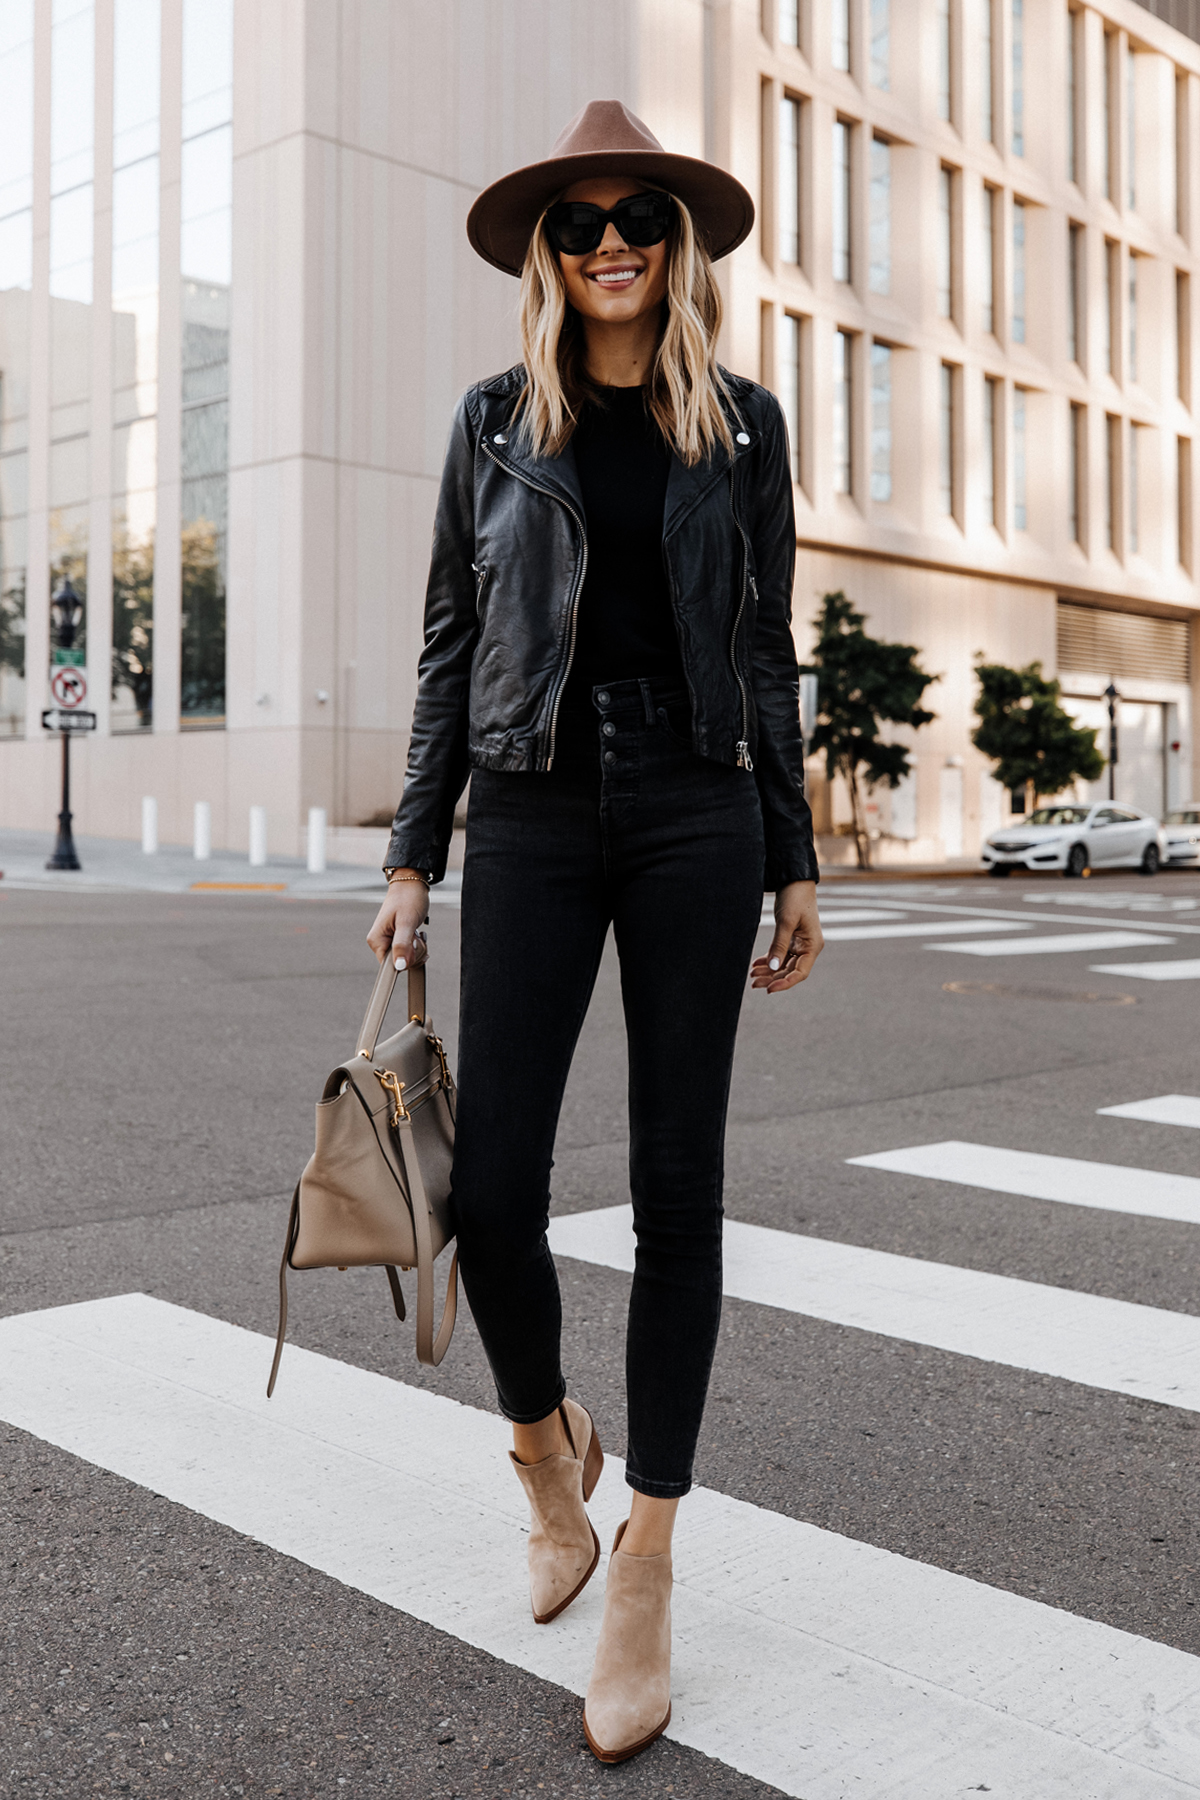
149, 825
316, 840
258, 836
202, 831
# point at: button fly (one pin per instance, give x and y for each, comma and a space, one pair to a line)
603, 699
610, 756
609, 728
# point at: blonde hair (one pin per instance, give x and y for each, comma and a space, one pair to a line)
686, 386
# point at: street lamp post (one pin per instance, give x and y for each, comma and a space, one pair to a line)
1112, 696
66, 610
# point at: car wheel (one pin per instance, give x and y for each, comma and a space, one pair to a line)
1076, 863
1151, 860
1000, 869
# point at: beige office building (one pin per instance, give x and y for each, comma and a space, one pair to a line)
236, 306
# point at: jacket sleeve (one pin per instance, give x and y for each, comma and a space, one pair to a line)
779, 753
437, 753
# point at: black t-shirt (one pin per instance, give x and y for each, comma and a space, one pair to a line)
625, 626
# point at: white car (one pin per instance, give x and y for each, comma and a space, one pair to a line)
1181, 834
1077, 838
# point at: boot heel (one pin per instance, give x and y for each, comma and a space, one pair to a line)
593, 1464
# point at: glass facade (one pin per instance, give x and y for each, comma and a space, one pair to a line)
1132, 316
881, 46
944, 59
945, 262
1131, 129
1075, 243
1134, 508
987, 273
842, 390
990, 413
1018, 77
1018, 272
206, 267
137, 33
1183, 501
1078, 418
72, 201
789, 21
880, 226
946, 441
1073, 51
1020, 511
1112, 476
1112, 269
841, 200
881, 422
1183, 308
987, 74
839, 33
789, 385
789, 179
16, 276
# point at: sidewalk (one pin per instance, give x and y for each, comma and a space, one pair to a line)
115, 865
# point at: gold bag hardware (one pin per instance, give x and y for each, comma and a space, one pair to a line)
376, 1190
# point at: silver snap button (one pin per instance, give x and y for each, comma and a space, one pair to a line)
609, 728
610, 756
603, 698
501, 439
743, 437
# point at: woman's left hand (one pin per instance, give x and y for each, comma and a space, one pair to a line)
797, 943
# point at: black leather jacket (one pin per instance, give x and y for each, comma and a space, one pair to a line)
509, 558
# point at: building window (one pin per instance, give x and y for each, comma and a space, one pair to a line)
1134, 509
1131, 129
789, 179
1018, 272
880, 272
1112, 477
842, 401
839, 33
1110, 136
16, 278
945, 60
1180, 152
881, 422
987, 73
991, 424
1183, 500
947, 443
137, 30
1132, 321
789, 21
1075, 467
789, 385
1183, 338
987, 274
1020, 514
1112, 275
206, 258
881, 51
1073, 54
1018, 77
1075, 244
945, 262
841, 200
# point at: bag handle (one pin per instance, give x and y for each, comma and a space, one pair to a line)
377, 1005
429, 1350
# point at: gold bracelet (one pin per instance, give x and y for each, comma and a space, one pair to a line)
394, 880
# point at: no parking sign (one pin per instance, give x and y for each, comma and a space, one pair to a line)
69, 687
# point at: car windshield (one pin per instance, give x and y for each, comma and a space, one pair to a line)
1188, 815
1059, 815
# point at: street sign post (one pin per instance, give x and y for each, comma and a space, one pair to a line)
57, 718
69, 686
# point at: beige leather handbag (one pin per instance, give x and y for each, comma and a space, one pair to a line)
377, 1185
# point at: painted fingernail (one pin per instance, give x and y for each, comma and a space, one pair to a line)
774, 963
401, 963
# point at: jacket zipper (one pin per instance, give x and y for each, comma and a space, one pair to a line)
578, 589
482, 572
744, 759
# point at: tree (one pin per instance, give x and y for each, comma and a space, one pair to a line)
1027, 734
863, 682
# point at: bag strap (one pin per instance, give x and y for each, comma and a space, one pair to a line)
429, 1350
377, 1005
289, 1244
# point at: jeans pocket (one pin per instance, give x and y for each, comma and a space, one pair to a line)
676, 721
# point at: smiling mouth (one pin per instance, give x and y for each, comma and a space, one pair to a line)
614, 277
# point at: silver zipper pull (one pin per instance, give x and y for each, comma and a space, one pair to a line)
745, 761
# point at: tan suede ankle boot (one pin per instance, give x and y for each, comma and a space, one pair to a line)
563, 1547
628, 1701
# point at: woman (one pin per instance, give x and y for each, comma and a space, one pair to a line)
608, 651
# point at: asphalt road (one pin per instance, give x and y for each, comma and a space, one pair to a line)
160, 1056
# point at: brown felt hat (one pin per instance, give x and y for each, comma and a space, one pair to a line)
606, 139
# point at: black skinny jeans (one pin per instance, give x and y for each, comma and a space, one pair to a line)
628, 828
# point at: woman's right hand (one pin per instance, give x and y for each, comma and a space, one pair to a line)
397, 926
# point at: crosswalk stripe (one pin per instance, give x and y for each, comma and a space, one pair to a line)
1165, 1109
1180, 970
911, 928
1060, 941
1087, 1338
811, 1661
840, 915
1108, 1186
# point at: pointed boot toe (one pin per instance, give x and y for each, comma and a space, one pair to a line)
563, 1547
628, 1701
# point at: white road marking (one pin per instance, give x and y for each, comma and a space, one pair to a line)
1061, 941
1101, 1343
1118, 902
838, 934
1165, 1109
1153, 971
842, 915
810, 1661
1108, 1186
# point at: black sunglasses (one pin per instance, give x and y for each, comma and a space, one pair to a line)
576, 227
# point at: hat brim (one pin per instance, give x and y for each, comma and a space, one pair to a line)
502, 220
